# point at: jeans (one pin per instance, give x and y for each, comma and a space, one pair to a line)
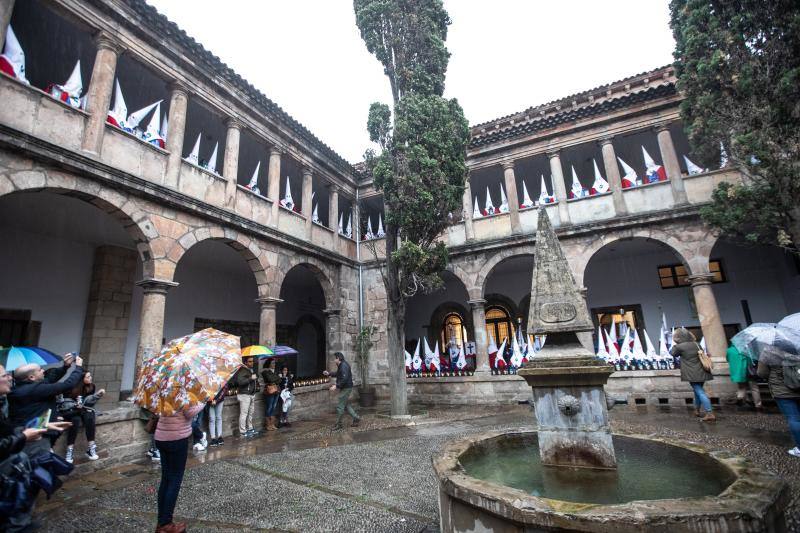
88, 419
246, 408
270, 402
342, 403
700, 397
173, 464
197, 427
790, 407
215, 419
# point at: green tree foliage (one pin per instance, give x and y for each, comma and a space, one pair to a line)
738, 66
421, 168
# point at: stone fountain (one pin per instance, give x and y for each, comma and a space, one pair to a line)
572, 473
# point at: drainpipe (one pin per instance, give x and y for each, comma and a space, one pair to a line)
360, 279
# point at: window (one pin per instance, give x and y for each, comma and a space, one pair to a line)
672, 276
452, 330
498, 324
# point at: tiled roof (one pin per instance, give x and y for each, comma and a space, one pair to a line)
657, 83
214, 66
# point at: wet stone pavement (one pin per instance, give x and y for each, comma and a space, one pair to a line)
377, 477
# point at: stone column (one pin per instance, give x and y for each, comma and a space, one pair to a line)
230, 163
511, 194
333, 214
306, 205
333, 329
708, 313
6, 8
266, 325
469, 228
356, 225
481, 338
178, 102
612, 174
274, 182
151, 327
99, 93
559, 189
671, 165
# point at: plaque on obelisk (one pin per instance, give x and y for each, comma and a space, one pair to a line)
567, 379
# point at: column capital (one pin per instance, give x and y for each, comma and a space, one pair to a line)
507, 164
553, 152
268, 302
157, 286
477, 302
306, 171
333, 187
696, 280
333, 311
661, 126
104, 41
178, 87
233, 123
276, 150
606, 139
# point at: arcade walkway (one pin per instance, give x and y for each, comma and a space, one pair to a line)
373, 479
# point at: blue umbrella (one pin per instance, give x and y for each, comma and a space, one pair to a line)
15, 357
282, 350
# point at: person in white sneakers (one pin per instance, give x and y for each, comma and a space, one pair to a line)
785, 392
77, 406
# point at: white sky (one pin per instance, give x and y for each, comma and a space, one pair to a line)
506, 55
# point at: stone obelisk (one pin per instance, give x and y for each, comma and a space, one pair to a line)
567, 380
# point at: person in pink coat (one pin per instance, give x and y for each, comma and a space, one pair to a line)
172, 442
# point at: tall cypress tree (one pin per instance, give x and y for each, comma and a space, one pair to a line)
421, 168
738, 67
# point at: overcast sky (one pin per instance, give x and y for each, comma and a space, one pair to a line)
506, 55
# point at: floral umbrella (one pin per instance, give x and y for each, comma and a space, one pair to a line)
189, 371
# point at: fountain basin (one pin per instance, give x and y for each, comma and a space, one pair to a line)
735, 496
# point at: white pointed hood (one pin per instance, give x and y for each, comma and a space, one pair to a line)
288, 201
499, 357
416, 361
630, 174
691, 168
119, 113
315, 215
600, 185
651, 350
488, 206
625, 348
663, 349
649, 162
348, 232
370, 234
13, 57
476, 211
492, 347
503, 200
577, 188
136, 117
381, 233
638, 352
526, 199
164, 127
544, 196
194, 155
602, 351
253, 183
74, 85
212, 161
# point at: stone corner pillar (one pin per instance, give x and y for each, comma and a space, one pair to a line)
670, 158
481, 338
151, 327
267, 322
333, 213
466, 205
511, 194
708, 313
559, 188
612, 173
333, 329
99, 93
178, 103
305, 203
274, 182
230, 163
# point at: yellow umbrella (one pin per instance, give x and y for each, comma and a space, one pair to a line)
189, 371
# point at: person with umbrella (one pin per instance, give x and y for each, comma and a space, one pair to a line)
774, 363
271, 391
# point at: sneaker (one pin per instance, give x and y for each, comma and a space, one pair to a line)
204, 441
220, 441
199, 447
154, 454
70, 457
91, 453
794, 451
213, 443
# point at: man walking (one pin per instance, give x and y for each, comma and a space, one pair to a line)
344, 382
247, 383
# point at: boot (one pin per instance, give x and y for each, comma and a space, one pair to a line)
271, 423
172, 527
697, 413
708, 418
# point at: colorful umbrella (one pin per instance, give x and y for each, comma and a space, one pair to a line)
257, 351
283, 350
15, 357
189, 371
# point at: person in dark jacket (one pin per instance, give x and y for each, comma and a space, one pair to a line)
344, 383
286, 384
77, 406
271, 381
33, 395
247, 385
692, 370
770, 367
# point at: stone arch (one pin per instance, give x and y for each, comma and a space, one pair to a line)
246, 247
486, 270
321, 273
463, 277
135, 220
445, 309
